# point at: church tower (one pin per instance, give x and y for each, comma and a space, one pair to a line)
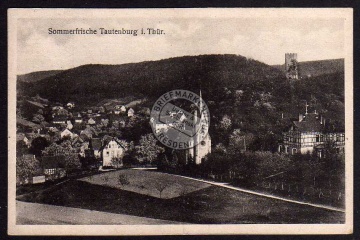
201, 146
291, 66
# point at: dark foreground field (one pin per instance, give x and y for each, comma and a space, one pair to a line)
208, 205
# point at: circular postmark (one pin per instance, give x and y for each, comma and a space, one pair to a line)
180, 119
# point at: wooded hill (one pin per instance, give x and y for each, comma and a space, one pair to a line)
89, 83
252, 94
317, 68
37, 76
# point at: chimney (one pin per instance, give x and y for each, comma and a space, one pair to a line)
321, 119
301, 117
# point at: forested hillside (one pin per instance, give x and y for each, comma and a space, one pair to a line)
241, 93
95, 82
317, 68
37, 76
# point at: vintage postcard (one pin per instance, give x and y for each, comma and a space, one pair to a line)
180, 121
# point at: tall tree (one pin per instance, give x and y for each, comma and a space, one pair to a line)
21, 148
147, 151
38, 118
26, 167
38, 144
72, 160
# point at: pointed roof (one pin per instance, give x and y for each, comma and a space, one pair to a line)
310, 123
66, 130
20, 136
106, 142
36, 104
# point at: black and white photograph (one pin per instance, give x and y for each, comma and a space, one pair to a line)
180, 121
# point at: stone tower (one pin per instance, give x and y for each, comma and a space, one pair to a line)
291, 66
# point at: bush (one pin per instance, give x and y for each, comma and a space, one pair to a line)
123, 180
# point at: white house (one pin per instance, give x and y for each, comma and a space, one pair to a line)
55, 108
123, 109
117, 109
91, 121
22, 137
131, 112
66, 133
112, 149
59, 119
69, 125
78, 119
70, 105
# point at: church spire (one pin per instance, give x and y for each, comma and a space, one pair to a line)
200, 105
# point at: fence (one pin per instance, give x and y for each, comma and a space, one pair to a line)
332, 194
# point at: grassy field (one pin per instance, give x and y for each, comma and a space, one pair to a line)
149, 183
202, 203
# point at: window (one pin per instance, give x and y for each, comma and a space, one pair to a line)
319, 153
317, 138
294, 150
107, 153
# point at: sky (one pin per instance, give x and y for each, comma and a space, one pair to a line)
263, 39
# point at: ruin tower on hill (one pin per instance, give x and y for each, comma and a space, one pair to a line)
291, 66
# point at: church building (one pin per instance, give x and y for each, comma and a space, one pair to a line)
202, 147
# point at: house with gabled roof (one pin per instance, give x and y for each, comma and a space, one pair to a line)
27, 126
307, 134
59, 119
110, 149
22, 137
54, 167
57, 107
91, 121
78, 119
36, 104
70, 105
130, 112
67, 133
117, 120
